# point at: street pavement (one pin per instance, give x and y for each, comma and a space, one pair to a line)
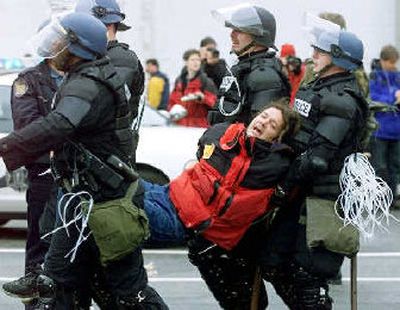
181, 287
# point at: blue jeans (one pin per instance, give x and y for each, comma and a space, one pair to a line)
386, 160
165, 226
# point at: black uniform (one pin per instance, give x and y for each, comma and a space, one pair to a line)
33, 91
90, 109
260, 80
333, 114
131, 72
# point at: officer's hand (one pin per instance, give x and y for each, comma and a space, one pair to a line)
279, 197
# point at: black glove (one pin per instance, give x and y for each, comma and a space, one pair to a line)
279, 197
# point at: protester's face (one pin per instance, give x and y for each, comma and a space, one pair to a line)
193, 63
267, 125
389, 65
320, 59
240, 40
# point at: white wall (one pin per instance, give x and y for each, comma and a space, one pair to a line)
166, 28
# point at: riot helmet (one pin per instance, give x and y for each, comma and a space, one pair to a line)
345, 48
250, 19
83, 35
107, 11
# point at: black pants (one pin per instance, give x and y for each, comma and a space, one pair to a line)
124, 278
40, 195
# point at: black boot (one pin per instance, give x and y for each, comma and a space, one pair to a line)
24, 287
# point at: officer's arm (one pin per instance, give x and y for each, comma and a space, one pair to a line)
339, 114
265, 85
23, 146
24, 104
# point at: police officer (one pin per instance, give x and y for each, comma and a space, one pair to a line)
124, 59
333, 114
257, 78
88, 114
31, 99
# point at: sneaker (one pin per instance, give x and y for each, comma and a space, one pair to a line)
24, 287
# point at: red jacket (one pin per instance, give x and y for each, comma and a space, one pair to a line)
197, 109
230, 186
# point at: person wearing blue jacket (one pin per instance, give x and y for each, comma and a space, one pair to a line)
385, 145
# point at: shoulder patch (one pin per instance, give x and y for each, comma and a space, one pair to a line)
20, 87
208, 150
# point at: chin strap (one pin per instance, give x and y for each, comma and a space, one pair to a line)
244, 49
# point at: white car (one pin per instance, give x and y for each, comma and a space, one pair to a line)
163, 151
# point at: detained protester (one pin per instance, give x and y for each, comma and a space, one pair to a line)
125, 61
91, 163
307, 242
215, 202
257, 77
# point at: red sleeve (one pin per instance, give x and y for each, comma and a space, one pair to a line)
175, 97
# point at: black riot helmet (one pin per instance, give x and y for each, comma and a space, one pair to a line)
250, 19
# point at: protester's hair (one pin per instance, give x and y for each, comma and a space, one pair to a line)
206, 41
214, 52
389, 52
152, 61
291, 119
189, 53
335, 18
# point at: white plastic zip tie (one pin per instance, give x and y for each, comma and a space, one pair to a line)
365, 199
78, 214
230, 79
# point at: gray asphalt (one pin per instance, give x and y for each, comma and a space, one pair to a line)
179, 283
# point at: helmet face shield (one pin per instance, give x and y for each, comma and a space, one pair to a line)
242, 17
321, 33
51, 40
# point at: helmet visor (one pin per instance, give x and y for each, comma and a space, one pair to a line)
242, 17
321, 33
51, 40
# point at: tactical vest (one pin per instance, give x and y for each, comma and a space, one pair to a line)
211, 192
264, 68
130, 71
110, 133
308, 104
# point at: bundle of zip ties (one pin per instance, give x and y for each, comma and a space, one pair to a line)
80, 217
365, 199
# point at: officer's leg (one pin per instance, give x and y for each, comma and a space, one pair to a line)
310, 270
68, 278
127, 280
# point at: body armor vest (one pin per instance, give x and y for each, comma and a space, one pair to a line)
130, 71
